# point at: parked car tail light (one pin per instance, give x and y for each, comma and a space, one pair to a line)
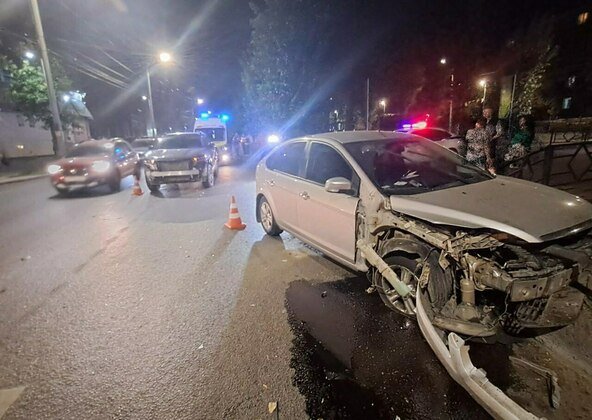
101, 166
54, 169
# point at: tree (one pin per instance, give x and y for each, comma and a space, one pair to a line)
290, 65
537, 50
27, 90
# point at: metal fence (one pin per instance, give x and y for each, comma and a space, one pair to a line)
565, 160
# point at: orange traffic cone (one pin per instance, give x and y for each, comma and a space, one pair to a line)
137, 190
234, 219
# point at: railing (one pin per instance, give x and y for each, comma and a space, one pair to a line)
567, 159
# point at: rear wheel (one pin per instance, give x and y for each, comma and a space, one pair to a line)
115, 182
267, 219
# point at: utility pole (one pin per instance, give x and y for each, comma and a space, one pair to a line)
451, 97
367, 104
60, 145
152, 121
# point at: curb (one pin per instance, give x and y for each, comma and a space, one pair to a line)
13, 179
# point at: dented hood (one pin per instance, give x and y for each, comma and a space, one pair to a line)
529, 211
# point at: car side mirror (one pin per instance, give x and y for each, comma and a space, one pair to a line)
338, 184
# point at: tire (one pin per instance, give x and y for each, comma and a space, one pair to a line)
153, 187
439, 288
210, 178
63, 192
267, 218
115, 183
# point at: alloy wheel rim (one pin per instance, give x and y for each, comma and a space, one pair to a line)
407, 277
266, 217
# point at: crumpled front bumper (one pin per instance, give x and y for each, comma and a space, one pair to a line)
454, 355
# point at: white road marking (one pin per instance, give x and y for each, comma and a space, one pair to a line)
8, 397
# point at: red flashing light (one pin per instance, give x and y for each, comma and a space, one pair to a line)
420, 125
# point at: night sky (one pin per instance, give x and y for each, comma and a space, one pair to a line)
209, 37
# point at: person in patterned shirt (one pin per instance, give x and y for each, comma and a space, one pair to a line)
478, 145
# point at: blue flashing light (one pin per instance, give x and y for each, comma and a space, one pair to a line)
204, 115
224, 117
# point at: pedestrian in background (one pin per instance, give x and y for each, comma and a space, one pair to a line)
479, 145
491, 121
521, 142
500, 144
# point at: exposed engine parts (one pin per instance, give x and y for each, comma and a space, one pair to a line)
499, 282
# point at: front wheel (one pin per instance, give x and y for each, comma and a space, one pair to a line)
267, 219
408, 270
210, 177
115, 182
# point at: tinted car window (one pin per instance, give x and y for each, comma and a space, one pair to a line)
413, 166
288, 159
324, 162
183, 141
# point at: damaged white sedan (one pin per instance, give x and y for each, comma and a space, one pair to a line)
490, 255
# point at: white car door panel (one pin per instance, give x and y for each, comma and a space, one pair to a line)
328, 220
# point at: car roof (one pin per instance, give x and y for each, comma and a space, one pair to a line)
98, 143
345, 137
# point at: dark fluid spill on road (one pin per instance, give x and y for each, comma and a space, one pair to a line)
353, 358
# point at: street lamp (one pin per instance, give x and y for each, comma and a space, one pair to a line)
200, 101
163, 57
444, 61
66, 98
483, 84
29, 55
383, 105
144, 97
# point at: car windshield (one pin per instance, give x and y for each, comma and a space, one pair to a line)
413, 166
182, 141
213, 134
84, 151
143, 143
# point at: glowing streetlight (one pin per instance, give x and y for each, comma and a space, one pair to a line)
483, 84
29, 55
443, 60
144, 97
383, 105
66, 98
199, 101
165, 57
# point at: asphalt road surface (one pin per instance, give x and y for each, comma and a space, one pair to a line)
113, 306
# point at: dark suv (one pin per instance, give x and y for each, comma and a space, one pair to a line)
181, 157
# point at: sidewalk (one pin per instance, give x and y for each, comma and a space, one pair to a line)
24, 169
7, 178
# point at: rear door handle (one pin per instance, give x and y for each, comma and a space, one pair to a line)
270, 182
304, 195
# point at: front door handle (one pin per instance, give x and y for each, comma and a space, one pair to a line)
270, 182
304, 195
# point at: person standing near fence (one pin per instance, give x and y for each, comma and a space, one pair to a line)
479, 146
